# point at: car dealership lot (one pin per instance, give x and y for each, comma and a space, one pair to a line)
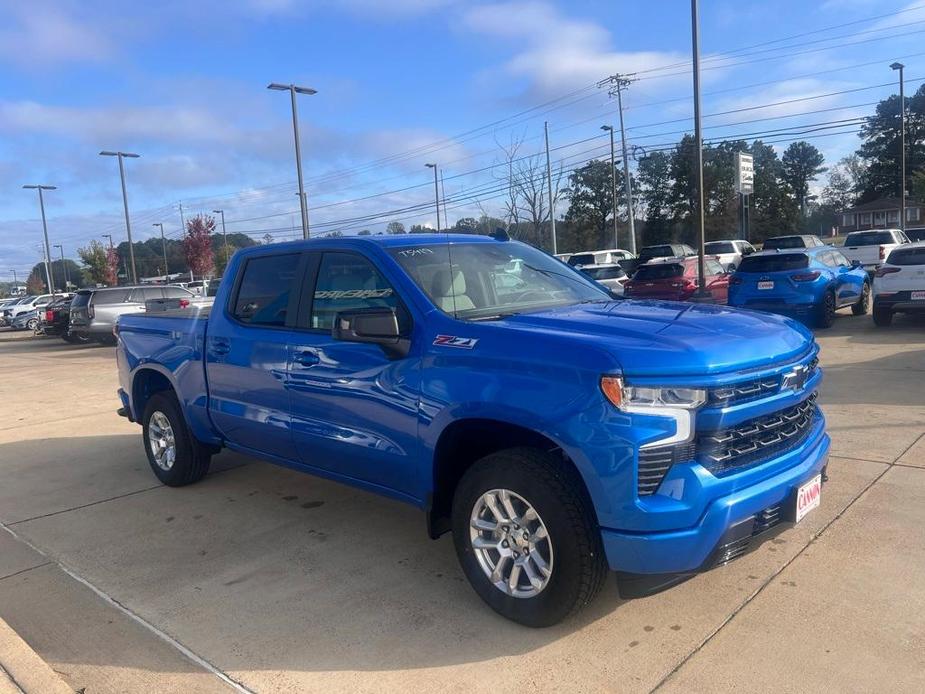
278, 581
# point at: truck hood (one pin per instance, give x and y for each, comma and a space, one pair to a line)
655, 338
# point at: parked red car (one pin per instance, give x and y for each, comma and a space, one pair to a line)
675, 279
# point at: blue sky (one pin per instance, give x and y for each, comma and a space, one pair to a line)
400, 83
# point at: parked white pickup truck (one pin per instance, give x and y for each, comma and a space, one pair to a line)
872, 247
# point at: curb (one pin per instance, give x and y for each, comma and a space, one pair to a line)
25, 668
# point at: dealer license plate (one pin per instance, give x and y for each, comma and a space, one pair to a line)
809, 496
917, 296
766, 285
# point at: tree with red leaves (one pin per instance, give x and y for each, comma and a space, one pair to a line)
197, 245
111, 276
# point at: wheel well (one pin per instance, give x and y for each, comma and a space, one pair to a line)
147, 382
466, 441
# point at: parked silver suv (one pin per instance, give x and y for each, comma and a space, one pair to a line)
94, 311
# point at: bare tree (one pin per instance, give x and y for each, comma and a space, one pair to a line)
505, 171
533, 196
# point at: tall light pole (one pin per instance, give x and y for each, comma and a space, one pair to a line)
128, 225
552, 195
702, 292
224, 234
164, 247
902, 147
436, 192
67, 280
40, 188
613, 187
293, 90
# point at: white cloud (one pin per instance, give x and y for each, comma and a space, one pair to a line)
556, 53
361, 8
37, 34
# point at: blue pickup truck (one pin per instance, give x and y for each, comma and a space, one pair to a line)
555, 431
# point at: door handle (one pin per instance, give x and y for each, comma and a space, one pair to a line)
219, 346
306, 358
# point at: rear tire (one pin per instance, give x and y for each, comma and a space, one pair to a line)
862, 305
882, 317
175, 456
826, 314
543, 511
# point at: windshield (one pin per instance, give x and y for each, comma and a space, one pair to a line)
774, 263
869, 238
716, 247
494, 279
660, 271
604, 273
907, 256
785, 242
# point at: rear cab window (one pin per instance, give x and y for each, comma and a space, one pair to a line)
581, 259
869, 238
717, 247
785, 242
774, 263
265, 289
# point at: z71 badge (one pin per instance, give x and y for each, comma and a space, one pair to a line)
453, 341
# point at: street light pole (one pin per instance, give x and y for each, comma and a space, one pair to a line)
128, 225
224, 234
436, 192
293, 90
67, 280
552, 196
902, 147
40, 188
164, 246
613, 186
702, 291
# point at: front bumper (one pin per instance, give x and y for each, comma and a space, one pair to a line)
684, 552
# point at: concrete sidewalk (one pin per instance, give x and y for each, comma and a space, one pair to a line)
22, 670
263, 579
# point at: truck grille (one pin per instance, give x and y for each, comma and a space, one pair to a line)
754, 441
731, 450
753, 389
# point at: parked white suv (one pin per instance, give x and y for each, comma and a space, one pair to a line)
872, 247
729, 253
899, 284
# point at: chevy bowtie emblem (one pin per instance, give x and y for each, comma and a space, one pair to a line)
796, 379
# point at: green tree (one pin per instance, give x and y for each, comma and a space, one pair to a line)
800, 165
773, 210
844, 183
93, 256
590, 194
654, 191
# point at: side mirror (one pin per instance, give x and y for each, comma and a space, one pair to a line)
855, 263
378, 326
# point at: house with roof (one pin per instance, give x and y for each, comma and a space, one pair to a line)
881, 214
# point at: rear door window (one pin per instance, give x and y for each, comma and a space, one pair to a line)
265, 289
774, 263
176, 293
110, 296
142, 294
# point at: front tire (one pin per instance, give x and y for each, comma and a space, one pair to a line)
175, 456
862, 305
526, 537
826, 315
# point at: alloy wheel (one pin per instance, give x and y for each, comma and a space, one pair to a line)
161, 440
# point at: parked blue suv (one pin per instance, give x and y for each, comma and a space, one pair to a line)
808, 283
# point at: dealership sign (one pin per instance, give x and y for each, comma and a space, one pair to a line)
745, 173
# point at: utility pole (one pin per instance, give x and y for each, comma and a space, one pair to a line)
902, 147
164, 246
436, 192
552, 195
617, 84
446, 224
613, 186
702, 292
293, 90
67, 280
40, 188
128, 224
224, 235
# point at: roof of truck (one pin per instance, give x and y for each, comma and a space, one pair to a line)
385, 240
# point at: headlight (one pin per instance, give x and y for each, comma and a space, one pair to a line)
629, 398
